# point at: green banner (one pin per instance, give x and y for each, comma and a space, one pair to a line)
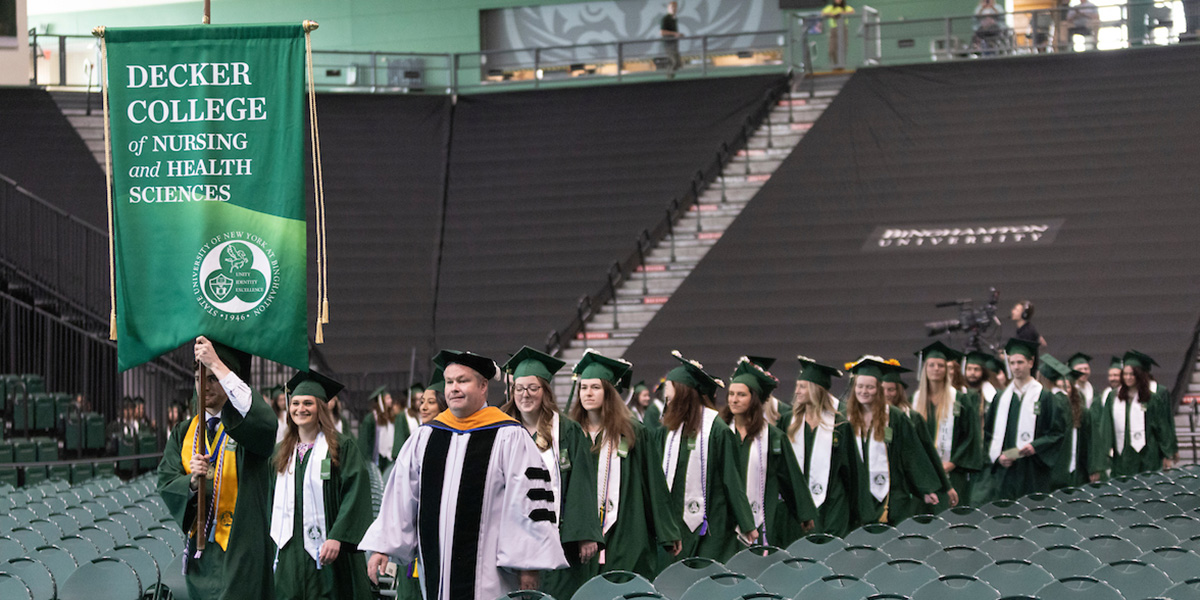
207, 126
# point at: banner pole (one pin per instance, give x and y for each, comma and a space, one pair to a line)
201, 495
207, 12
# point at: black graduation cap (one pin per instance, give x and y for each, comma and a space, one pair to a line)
313, 384
480, 364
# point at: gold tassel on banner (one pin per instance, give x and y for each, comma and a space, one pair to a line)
108, 187
318, 188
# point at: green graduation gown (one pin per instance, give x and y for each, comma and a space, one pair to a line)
725, 496
966, 449
1029, 474
910, 473
833, 516
921, 428
243, 569
366, 438
347, 495
788, 502
578, 518
1062, 475
785, 414
645, 520
652, 419
1160, 437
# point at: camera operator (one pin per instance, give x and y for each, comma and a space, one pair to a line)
1022, 312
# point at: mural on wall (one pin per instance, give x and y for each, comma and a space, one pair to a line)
625, 20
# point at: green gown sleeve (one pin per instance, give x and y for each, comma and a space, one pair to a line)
174, 485
653, 418
1167, 440
1048, 434
922, 476
785, 415
353, 489
654, 482
967, 453
1083, 454
921, 429
1101, 440
400, 432
256, 431
580, 520
789, 478
733, 478
366, 437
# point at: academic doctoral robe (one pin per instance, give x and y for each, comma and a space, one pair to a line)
470, 498
786, 493
834, 514
347, 496
725, 495
1028, 474
911, 474
575, 497
243, 569
1160, 434
1077, 444
966, 449
645, 521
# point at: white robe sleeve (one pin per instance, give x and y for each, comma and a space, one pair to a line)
394, 531
528, 541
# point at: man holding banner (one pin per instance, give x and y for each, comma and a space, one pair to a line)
208, 241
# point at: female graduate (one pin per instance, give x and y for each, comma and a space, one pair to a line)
565, 451
322, 500
645, 407
774, 486
279, 402
1136, 422
341, 419
889, 483
630, 494
377, 431
819, 437
775, 412
951, 419
1071, 467
699, 459
895, 394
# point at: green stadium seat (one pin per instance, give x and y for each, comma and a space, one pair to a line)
955, 587
1141, 494
63, 405
1187, 501
872, 534
131, 523
147, 444
35, 475
679, 576
49, 529
1149, 536
817, 546
1083, 587
7, 522
6, 452
147, 569
752, 561
109, 505
164, 554
964, 515
792, 574
59, 472
1179, 564
43, 412
34, 383
1014, 577
527, 595
1052, 534
1068, 494
1113, 500
1038, 499
173, 583
102, 539
127, 446
105, 469
1192, 543
24, 450
856, 560
47, 449
66, 523
1079, 507
1008, 547
1042, 515
29, 538
926, 525
1126, 516
81, 548
915, 547
1134, 578
900, 576
1002, 507
12, 588
1159, 509
1090, 525
1109, 548
82, 515
175, 538
39, 509
1006, 525
838, 587
119, 534
56, 503
81, 472
102, 579
1188, 590
1065, 561
9, 475
94, 436
10, 549
60, 562
22, 514
35, 575
722, 586
963, 534
141, 514
958, 560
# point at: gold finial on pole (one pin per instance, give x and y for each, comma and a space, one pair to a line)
207, 12
310, 25
98, 31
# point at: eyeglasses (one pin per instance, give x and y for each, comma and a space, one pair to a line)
532, 390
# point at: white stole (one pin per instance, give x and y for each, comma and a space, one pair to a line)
283, 511
1136, 424
1026, 423
876, 461
608, 484
988, 391
756, 477
945, 433
1074, 445
822, 456
1087, 392
385, 438
694, 502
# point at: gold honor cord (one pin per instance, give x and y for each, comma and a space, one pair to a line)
108, 187
318, 188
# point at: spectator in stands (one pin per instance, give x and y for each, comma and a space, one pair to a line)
891, 478
322, 500
176, 413
239, 432
1022, 313
951, 419
1137, 425
835, 13
81, 404
669, 30
988, 25
144, 422
1083, 19
820, 438
774, 484
1022, 434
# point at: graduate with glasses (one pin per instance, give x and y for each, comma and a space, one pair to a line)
820, 438
630, 493
774, 486
565, 451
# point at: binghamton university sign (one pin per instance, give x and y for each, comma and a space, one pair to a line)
955, 236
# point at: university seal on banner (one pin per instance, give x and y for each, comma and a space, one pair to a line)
234, 275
